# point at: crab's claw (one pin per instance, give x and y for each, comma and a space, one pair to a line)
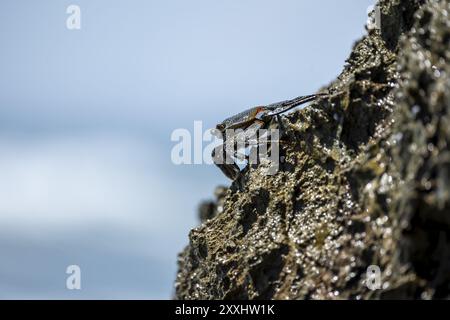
225, 164
217, 133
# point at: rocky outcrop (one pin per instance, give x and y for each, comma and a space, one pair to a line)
365, 182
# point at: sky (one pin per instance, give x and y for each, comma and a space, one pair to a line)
86, 117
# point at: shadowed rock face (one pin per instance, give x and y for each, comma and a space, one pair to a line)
365, 181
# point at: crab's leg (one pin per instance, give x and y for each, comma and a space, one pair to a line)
284, 106
280, 126
245, 137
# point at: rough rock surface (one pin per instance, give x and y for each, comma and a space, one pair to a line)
365, 181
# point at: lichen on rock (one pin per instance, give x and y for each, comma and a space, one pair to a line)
364, 182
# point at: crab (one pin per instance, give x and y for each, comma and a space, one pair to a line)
245, 125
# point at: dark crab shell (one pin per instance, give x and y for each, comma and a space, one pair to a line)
241, 119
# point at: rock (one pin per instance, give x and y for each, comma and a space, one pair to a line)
364, 186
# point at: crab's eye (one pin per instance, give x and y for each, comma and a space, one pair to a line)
220, 127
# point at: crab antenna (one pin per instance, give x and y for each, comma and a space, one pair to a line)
284, 106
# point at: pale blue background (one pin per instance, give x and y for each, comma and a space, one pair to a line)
86, 118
